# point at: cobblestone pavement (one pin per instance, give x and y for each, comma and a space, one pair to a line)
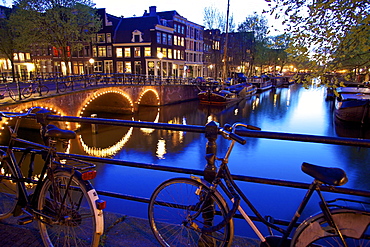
120, 230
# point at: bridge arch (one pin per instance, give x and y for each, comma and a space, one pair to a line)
108, 101
149, 97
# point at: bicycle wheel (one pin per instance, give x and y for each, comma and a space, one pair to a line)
12, 95
74, 222
173, 204
62, 87
27, 92
8, 190
42, 90
315, 231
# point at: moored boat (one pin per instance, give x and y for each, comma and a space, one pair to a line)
242, 89
261, 83
222, 97
353, 107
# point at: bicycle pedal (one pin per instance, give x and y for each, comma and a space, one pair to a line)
25, 220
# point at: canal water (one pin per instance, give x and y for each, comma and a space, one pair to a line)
293, 109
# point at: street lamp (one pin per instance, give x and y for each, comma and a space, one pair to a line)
92, 61
160, 56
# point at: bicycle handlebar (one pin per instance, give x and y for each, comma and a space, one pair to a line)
228, 131
14, 114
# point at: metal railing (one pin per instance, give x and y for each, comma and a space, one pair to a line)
210, 131
58, 84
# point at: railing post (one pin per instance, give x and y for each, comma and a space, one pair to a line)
211, 132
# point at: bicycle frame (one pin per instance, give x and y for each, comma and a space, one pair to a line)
223, 178
24, 200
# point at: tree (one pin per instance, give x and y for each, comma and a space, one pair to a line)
332, 32
258, 25
63, 24
8, 42
214, 19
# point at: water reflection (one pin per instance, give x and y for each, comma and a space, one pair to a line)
293, 109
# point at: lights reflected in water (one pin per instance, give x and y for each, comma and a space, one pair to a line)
161, 149
109, 151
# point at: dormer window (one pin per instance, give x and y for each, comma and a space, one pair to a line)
137, 36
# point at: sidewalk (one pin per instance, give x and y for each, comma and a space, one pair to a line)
120, 230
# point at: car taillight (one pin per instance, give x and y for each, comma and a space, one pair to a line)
88, 175
100, 204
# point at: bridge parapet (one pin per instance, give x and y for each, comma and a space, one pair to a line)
113, 98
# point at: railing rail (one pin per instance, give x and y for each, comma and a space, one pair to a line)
203, 129
58, 84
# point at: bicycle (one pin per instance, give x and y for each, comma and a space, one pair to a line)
34, 88
8, 91
194, 212
62, 200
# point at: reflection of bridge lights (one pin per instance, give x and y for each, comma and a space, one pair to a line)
109, 151
161, 149
27, 184
179, 133
98, 94
148, 131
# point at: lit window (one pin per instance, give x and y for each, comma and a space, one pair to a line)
95, 53
101, 38
169, 53
127, 52
102, 51
147, 52
128, 67
119, 67
119, 52
98, 66
137, 51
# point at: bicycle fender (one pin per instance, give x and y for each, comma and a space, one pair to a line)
351, 223
201, 180
93, 195
99, 219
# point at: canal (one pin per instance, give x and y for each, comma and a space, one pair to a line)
293, 109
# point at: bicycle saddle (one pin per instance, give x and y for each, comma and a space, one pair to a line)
55, 132
326, 175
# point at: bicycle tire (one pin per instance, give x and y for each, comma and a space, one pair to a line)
43, 90
77, 222
315, 231
9, 190
12, 95
62, 87
27, 92
170, 224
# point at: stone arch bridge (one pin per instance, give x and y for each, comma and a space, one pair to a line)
124, 99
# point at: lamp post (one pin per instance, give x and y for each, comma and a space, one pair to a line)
160, 56
92, 61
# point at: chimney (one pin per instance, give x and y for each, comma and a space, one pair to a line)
152, 10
